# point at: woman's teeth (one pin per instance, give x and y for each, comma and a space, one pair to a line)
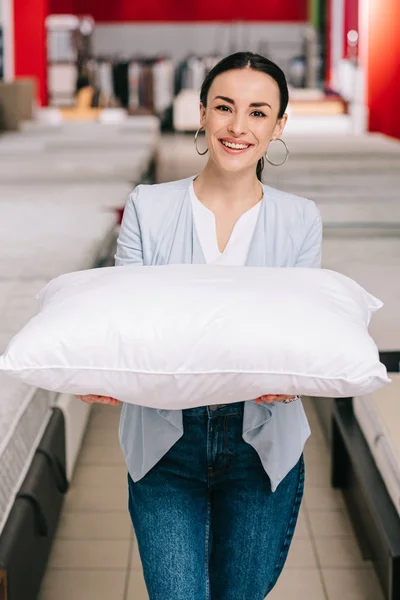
234, 146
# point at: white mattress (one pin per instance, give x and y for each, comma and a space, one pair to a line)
74, 166
47, 229
105, 196
85, 135
36, 244
78, 152
24, 411
41, 240
379, 274
43, 248
24, 414
379, 419
138, 123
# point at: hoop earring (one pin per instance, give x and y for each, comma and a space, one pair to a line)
284, 160
195, 143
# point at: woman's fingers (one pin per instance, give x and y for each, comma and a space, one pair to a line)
270, 398
94, 399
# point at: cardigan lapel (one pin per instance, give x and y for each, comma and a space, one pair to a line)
180, 243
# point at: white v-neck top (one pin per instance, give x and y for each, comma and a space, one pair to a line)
236, 250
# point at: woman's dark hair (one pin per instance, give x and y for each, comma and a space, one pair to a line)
243, 60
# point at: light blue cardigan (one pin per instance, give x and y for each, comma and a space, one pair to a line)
157, 229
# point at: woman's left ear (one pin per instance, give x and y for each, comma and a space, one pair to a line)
280, 126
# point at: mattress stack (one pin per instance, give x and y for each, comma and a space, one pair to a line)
379, 418
60, 188
355, 182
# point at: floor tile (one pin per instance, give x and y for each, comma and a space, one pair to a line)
83, 585
317, 453
299, 584
340, 552
317, 437
105, 409
86, 555
301, 554
302, 527
352, 584
312, 416
81, 498
100, 476
95, 526
135, 563
137, 588
317, 499
105, 419
318, 474
330, 523
99, 436
100, 455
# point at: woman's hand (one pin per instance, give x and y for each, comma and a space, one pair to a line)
92, 399
270, 398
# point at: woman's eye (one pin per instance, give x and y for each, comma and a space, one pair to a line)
223, 108
258, 113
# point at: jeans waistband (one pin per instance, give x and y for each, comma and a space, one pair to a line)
215, 410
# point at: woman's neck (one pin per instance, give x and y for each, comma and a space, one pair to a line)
218, 189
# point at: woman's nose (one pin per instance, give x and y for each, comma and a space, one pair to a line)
238, 125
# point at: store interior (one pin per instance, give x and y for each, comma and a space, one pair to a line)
98, 97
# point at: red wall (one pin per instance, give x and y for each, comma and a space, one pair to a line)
30, 42
384, 66
62, 7
185, 10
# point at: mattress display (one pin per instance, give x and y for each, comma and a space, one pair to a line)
379, 278
60, 191
60, 242
147, 123
43, 240
379, 418
75, 166
105, 196
55, 240
24, 414
24, 411
79, 152
86, 135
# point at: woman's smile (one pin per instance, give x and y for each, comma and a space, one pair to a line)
232, 146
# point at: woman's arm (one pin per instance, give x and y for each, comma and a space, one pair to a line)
311, 250
129, 244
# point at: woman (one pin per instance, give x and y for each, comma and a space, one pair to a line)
215, 491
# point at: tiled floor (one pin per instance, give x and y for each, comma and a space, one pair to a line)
95, 555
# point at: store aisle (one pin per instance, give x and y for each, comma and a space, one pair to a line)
95, 555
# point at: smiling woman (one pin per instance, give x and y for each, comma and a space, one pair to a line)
211, 486
252, 92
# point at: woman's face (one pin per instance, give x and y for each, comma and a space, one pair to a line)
241, 118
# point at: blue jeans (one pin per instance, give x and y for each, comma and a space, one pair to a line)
206, 521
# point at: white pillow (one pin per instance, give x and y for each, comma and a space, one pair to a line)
190, 335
